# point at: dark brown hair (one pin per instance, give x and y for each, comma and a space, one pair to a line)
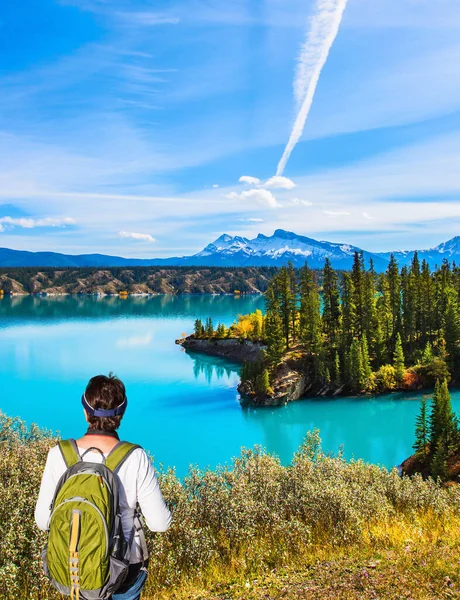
105, 393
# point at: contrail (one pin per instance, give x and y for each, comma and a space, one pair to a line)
324, 26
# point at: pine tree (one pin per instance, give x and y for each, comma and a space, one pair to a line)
209, 327
293, 299
443, 426
331, 304
366, 365
371, 323
422, 433
452, 335
220, 331
357, 276
439, 463
448, 428
348, 312
310, 313
337, 370
398, 360
356, 365
273, 329
426, 304
287, 301
427, 355
394, 288
199, 329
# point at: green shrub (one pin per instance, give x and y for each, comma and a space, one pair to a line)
253, 515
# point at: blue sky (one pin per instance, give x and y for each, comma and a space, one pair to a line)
125, 126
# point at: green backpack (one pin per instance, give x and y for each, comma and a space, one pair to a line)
87, 555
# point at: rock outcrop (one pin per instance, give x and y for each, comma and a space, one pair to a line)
229, 348
293, 379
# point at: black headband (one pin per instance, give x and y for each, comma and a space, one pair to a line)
101, 412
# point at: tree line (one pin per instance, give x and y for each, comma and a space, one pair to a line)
368, 331
363, 331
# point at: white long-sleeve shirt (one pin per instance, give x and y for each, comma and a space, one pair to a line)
139, 484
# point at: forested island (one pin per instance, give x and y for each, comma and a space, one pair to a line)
329, 333
135, 280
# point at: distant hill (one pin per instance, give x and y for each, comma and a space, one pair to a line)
236, 251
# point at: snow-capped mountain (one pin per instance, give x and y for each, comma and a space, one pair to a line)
449, 250
278, 249
236, 251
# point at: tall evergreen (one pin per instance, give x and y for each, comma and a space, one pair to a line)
287, 302
331, 304
439, 462
452, 335
372, 330
394, 289
426, 287
273, 327
348, 312
357, 276
422, 431
443, 424
310, 312
398, 360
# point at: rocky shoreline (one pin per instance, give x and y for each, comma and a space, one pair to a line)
293, 378
229, 348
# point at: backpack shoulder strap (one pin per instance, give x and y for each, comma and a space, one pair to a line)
69, 452
119, 454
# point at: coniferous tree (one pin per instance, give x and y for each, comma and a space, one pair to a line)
394, 289
337, 370
273, 328
398, 360
422, 431
427, 355
439, 462
385, 316
357, 276
287, 301
356, 365
426, 304
209, 327
199, 329
348, 312
310, 313
220, 331
443, 426
293, 299
331, 304
370, 322
366, 365
452, 335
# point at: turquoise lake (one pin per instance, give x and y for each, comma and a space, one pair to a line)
184, 409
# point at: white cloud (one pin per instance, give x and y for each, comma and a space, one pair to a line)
248, 179
261, 196
252, 220
28, 223
367, 216
277, 181
146, 237
216, 185
299, 201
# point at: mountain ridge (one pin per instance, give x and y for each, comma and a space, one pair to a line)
238, 251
